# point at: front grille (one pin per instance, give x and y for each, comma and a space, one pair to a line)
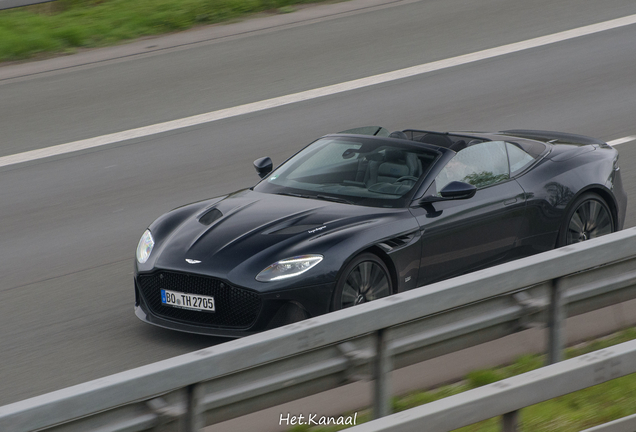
235, 307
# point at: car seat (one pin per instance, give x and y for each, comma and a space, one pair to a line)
395, 165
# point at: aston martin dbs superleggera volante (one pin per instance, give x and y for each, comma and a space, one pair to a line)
363, 214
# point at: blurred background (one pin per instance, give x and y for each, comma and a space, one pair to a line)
74, 70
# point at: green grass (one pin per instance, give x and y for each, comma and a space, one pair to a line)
573, 412
64, 26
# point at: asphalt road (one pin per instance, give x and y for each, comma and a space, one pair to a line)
70, 224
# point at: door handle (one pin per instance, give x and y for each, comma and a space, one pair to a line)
510, 201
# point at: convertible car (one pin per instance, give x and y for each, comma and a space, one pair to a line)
363, 214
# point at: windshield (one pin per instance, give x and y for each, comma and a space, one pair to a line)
358, 170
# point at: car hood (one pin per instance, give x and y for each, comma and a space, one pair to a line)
252, 230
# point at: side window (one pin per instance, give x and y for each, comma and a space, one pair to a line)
519, 159
481, 165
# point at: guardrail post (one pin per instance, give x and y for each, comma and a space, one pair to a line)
163, 411
510, 422
556, 323
556, 343
382, 367
193, 419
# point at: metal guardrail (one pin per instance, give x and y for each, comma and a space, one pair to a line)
625, 424
514, 393
9, 4
245, 375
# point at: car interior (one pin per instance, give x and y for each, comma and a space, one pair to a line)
362, 170
355, 167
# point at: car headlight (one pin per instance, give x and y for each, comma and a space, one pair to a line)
289, 267
144, 248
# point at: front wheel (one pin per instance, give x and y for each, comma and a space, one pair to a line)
364, 279
589, 217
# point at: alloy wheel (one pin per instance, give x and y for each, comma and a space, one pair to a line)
591, 219
365, 282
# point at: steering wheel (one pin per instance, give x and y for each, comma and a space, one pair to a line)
404, 178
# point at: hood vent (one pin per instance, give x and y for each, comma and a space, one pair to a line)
210, 216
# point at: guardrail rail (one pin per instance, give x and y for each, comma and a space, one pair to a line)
512, 394
225, 381
9, 4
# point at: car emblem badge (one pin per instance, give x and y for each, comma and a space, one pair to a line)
191, 261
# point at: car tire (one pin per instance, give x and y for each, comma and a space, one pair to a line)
589, 217
364, 279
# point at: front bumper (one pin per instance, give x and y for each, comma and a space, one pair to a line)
240, 312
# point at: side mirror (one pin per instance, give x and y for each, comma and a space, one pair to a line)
458, 190
263, 166
452, 191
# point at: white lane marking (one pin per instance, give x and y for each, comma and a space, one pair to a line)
622, 140
313, 94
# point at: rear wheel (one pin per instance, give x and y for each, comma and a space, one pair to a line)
589, 217
364, 279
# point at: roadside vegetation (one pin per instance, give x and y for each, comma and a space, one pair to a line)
64, 26
570, 413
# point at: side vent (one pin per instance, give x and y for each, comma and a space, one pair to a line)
398, 242
210, 217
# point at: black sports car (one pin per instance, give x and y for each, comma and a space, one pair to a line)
362, 214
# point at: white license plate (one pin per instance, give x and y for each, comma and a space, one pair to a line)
187, 301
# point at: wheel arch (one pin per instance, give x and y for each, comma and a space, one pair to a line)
380, 253
599, 190
604, 193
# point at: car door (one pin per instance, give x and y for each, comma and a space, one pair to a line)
459, 236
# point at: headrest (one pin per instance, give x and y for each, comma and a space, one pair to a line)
378, 157
458, 146
394, 155
398, 134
